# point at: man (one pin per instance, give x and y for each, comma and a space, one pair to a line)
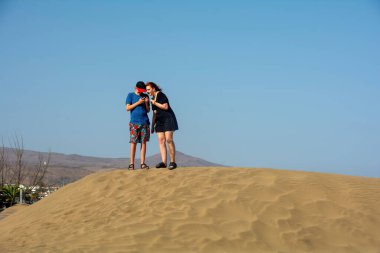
138, 104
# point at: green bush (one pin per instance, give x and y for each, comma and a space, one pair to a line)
9, 193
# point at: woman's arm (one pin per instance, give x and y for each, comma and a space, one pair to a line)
147, 105
153, 121
163, 106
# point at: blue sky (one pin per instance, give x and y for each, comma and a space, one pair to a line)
280, 84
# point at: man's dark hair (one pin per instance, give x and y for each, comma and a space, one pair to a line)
140, 84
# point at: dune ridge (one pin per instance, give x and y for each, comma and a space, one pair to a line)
201, 210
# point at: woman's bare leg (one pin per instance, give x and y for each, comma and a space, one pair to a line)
162, 143
171, 145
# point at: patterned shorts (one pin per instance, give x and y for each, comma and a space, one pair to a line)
139, 133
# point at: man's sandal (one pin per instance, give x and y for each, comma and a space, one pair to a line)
131, 166
144, 166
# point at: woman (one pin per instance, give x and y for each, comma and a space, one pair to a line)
164, 123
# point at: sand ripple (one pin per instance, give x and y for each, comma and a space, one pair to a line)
201, 210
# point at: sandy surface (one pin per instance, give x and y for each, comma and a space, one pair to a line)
12, 210
201, 210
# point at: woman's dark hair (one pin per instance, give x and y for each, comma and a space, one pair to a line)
153, 85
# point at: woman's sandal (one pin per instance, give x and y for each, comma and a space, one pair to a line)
161, 165
144, 166
131, 167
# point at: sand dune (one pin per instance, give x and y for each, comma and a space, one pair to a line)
201, 210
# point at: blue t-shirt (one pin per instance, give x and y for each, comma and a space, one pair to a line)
139, 115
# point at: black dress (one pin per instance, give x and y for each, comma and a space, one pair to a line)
165, 119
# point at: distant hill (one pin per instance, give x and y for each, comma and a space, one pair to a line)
66, 168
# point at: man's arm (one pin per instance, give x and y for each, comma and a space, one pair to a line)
129, 107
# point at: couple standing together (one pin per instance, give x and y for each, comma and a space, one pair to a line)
164, 123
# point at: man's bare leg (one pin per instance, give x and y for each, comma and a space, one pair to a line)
133, 153
143, 152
